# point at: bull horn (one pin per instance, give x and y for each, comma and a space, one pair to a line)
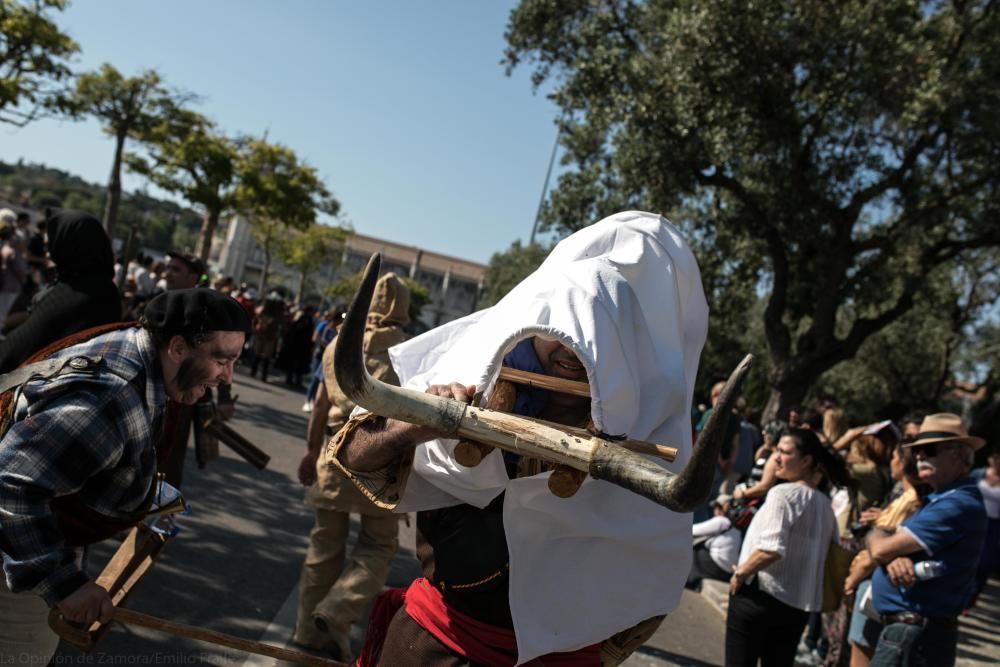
603, 459
688, 490
441, 414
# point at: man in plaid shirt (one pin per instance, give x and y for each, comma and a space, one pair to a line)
78, 462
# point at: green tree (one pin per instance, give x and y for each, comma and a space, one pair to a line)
279, 193
506, 269
34, 57
307, 250
128, 107
186, 154
840, 151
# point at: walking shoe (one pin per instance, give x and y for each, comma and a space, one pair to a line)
336, 643
307, 406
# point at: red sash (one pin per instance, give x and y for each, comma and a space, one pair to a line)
473, 640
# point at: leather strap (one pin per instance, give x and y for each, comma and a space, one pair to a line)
47, 369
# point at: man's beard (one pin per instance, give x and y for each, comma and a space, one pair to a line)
187, 377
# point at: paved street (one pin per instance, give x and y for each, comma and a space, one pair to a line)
234, 567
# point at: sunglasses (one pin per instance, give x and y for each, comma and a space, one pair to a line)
931, 450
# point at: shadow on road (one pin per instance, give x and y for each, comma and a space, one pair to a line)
229, 569
672, 658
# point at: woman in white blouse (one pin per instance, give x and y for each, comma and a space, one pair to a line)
779, 577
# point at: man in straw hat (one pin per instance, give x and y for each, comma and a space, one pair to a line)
929, 564
77, 457
519, 569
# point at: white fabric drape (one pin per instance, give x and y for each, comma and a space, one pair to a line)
625, 294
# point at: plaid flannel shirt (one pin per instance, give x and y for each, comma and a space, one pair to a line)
90, 434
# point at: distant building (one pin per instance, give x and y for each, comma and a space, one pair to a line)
453, 284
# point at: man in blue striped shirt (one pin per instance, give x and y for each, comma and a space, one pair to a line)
78, 461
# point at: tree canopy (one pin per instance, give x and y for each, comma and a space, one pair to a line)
827, 155
307, 250
186, 154
278, 191
506, 269
34, 58
126, 107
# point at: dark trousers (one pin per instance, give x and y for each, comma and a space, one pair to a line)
902, 645
703, 567
761, 627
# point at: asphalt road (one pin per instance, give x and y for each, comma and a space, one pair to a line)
234, 567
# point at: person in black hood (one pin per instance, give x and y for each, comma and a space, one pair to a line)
84, 294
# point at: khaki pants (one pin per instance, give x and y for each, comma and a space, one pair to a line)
337, 589
25, 637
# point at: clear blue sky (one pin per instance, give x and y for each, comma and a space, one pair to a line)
402, 106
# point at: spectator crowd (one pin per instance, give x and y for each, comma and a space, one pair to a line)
840, 545
899, 504
58, 275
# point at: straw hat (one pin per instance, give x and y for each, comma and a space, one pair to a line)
944, 427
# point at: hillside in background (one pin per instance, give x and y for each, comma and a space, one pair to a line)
161, 224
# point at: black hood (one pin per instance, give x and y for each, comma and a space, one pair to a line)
78, 245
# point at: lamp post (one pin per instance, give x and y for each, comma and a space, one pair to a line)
545, 185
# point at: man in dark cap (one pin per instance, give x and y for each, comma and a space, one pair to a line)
77, 455
183, 270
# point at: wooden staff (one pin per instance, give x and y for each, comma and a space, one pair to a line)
79, 637
254, 455
560, 385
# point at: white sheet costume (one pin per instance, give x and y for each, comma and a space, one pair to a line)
625, 295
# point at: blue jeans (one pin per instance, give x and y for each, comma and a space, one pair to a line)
317, 377
902, 645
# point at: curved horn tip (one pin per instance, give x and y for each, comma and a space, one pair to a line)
350, 370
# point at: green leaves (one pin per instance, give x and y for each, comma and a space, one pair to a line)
506, 269
186, 154
34, 59
837, 152
127, 106
275, 184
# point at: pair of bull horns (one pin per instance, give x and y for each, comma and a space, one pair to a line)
602, 458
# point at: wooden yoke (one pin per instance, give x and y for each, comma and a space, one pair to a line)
564, 481
601, 457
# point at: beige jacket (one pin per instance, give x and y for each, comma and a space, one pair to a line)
387, 315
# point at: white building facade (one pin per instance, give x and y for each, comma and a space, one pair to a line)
453, 285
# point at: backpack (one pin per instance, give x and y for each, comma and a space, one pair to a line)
742, 512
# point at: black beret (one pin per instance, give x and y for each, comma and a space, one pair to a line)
194, 311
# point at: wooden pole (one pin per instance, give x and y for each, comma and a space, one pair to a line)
79, 637
560, 385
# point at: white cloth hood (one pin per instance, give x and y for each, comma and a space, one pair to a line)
625, 294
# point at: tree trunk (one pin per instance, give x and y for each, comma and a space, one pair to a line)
114, 186
788, 389
302, 288
208, 226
